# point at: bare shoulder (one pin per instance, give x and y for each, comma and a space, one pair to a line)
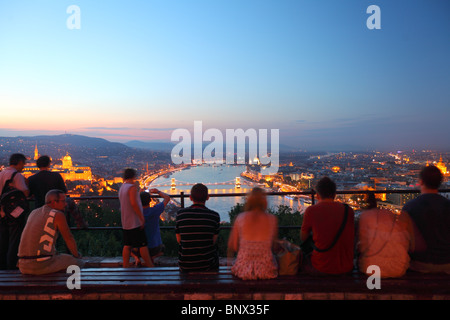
241, 216
59, 216
132, 190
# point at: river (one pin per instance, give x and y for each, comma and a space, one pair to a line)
218, 179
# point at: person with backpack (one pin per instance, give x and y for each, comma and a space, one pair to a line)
13, 210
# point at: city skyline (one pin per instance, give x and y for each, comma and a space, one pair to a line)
311, 69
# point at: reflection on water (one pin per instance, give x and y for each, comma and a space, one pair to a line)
219, 179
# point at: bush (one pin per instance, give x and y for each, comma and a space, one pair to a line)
108, 243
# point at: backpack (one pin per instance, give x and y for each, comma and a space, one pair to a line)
13, 202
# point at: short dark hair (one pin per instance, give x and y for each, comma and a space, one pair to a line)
145, 198
129, 173
199, 192
53, 194
326, 188
43, 161
431, 177
16, 158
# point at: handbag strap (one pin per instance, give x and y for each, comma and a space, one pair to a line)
8, 182
341, 229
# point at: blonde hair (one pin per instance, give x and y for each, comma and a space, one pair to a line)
256, 200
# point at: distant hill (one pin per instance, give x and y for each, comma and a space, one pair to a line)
157, 146
57, 146
77, 140
168, 146
103, 156
106, 158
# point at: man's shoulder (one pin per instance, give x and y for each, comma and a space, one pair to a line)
195, 208
156, 208
18, 182
326, 206
125, 187
45, 174
36, 177
54, 174
35, 212
8, 172
411, 203
7, 169
318, 211
426, 199
45, 209
33, 177
147, 210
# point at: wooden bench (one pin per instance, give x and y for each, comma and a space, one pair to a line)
168, 283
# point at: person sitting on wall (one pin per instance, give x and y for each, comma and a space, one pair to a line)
331, 224
37, 253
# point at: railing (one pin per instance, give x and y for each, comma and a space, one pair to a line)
182, 196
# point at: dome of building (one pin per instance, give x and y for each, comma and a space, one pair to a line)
67, 161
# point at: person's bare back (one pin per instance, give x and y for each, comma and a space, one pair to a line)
257, 226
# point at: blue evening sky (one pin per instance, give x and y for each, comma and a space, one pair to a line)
310, 68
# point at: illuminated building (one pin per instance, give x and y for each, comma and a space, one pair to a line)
441, 166
294, 176
400, 199
70, 172
336, 169
29, 169
36, 153
67, 170
307, 176
67, 161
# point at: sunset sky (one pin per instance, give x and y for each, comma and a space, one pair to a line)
312, 69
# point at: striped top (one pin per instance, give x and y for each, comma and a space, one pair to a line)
197, 226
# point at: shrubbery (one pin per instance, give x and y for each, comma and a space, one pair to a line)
108, 243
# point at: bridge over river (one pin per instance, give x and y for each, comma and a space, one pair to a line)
175, 183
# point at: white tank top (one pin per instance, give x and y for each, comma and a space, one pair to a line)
130, 220
39, 236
